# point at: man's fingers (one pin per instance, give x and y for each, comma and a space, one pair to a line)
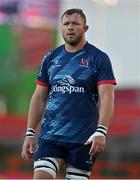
93, 148
28, 149
98, 144
26, 155
25, 152
31, 150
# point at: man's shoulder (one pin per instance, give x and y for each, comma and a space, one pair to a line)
54, 50
93, 49
58, 48
52, 53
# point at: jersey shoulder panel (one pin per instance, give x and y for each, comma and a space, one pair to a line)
93, 50
42, 76
103, 65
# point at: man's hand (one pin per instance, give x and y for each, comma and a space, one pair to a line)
97, 144
97, 140
28, 148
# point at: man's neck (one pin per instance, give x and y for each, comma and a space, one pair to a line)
74, 48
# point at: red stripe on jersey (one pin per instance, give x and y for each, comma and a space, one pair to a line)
41, 83
107, 82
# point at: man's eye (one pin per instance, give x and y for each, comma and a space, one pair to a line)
75, 23
65, 24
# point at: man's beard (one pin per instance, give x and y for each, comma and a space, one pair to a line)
72, 42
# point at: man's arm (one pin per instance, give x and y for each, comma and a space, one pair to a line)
106, 104
36, 110
106, 109
37, 106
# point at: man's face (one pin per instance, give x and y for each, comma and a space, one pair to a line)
73, 28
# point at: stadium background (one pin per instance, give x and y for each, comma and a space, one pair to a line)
29, 28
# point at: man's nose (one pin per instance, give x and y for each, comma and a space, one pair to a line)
70, 26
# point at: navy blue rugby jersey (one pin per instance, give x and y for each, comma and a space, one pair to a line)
71, 112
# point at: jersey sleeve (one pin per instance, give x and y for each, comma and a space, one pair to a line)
105, 73
42, 77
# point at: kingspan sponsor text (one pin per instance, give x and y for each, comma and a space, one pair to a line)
68, 89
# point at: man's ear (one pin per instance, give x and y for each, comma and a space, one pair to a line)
86, 27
